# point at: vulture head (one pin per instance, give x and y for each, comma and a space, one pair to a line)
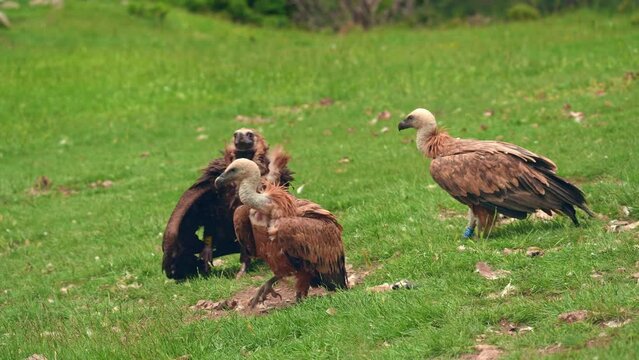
420, 119
245, 139
237, 171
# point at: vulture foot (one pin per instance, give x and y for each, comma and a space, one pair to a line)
264, 291
242, 271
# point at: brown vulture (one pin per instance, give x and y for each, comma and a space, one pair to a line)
204, 206
294, 237
492, 176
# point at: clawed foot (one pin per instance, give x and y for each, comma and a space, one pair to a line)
264, 291
242, 271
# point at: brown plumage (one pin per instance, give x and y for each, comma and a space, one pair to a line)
202, 205
295, 237
493, 177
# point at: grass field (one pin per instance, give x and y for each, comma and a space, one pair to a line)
89, 93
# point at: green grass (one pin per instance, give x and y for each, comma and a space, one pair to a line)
85, 90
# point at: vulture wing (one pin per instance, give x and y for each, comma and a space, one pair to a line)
200, 206
314, 243
244, 229
506, 178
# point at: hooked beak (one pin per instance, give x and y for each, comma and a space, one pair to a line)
404, 124
220, 181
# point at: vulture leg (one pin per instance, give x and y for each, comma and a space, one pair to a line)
472, 222
485, 218
207, 253
302, 285
264, 291
245, 260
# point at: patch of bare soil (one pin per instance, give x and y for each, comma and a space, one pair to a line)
239, 302
484, 352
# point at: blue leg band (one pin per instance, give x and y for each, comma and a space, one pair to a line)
468, 232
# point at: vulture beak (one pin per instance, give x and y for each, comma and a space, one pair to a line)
404, 124
220, 181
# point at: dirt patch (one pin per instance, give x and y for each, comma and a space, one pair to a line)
239, 302
487, 272
484, 352
574, 316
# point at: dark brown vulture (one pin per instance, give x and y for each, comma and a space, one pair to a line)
493, 177
204, 206
294, 237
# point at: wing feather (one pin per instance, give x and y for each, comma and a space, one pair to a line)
316, 243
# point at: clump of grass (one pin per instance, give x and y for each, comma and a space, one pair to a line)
155, 11
521, 11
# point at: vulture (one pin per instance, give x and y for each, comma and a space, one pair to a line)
492, 177
204, 206
293, 236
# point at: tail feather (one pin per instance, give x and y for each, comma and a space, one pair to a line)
569, 194
278, 159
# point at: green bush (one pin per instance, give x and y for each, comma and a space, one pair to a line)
522, 12
241, 11
153, 11
634, 20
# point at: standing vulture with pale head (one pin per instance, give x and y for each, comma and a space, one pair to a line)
204, 206
294, 237
492, 176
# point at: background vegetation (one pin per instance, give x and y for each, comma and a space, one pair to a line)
120, 113
338, 14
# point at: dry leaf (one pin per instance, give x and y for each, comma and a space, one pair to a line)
485, 270
37, 357
621, 225
508, 290
534, 251
511, 328
200, 129
41, 185
202, 137
331, 311
625, 211
326, 101
65, 289
300, 189
540, 215
344, 160
384, 130
578, 116
373, 121
489, 112
461, 248
384, 115
483, 127
217, 262
219, 305
616, 323
574, 316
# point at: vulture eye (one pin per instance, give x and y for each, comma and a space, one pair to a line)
250, 135
410, 117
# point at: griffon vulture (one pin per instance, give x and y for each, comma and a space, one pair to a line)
294, 237
202, 205
493, 177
